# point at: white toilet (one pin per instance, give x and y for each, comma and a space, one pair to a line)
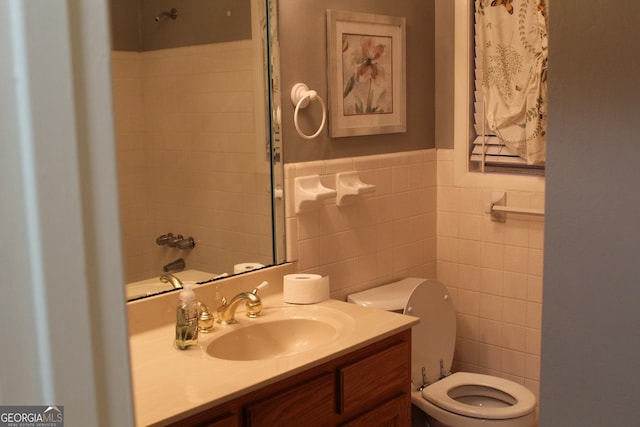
460, 399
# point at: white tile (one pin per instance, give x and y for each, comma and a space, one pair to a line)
448, 199
400, 178
445, 173
367, 162
536, 235
533, 339
469, 252
469, 277
490, 357
514, 311
417, 176
513, 337
534, 315
491, 281
447, 249
467, 327
471, 201
516, 233
513, 362
448, 272
492, 256
535, 263
470, 227
492, 231
532, 367
515, 285
534, 289
466, 351
491, 307
516, 259
367, 267
490, 332
447, 223
468, 302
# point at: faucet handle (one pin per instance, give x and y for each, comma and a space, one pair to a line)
164, 239
205, 318
173, 242
260, 286
188, 243
254, 308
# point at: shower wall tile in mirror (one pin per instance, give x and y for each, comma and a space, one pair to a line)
179, 111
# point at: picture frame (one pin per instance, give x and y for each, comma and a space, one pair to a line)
366, 73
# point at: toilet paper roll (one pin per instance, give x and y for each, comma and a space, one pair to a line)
246, 266
305, 288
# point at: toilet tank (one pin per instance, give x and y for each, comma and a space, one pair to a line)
390, 297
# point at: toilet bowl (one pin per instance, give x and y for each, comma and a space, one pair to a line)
460, 399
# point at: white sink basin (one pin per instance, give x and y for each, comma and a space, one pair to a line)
280, 332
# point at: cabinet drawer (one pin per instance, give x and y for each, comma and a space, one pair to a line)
375, 379
311, 402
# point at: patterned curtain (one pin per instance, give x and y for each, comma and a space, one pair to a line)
514, 40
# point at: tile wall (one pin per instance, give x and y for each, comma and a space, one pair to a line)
186, 144
494, 271
380, 237
418, 223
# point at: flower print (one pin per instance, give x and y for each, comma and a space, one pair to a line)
366, 89
368, 59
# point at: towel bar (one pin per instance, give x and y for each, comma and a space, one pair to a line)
498, 209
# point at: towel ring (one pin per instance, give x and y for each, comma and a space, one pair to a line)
301, 96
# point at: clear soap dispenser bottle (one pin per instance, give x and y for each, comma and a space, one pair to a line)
187, 318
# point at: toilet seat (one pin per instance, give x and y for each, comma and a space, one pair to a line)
433, 340
519, 400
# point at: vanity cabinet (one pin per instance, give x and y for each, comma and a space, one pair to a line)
230, 420
367, 387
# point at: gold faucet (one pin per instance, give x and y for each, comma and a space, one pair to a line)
205, 318
227, 312
170, 278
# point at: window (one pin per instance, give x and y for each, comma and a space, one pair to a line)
466, 172
511, 59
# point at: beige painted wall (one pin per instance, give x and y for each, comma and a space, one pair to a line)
444, 36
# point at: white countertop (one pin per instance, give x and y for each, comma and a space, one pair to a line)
170, 384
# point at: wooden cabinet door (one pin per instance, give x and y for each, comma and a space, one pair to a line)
209, 419
393, 413
371, 381
311, 404
229, 421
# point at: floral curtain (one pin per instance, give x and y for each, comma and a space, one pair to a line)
513, 39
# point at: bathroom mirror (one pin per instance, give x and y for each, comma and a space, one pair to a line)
197, 149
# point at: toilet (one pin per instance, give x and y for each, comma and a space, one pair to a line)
441, 398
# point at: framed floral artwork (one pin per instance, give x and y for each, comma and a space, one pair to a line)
367, 84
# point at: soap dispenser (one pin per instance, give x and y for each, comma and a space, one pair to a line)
187, 318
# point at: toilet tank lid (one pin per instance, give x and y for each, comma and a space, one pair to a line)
391, 297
